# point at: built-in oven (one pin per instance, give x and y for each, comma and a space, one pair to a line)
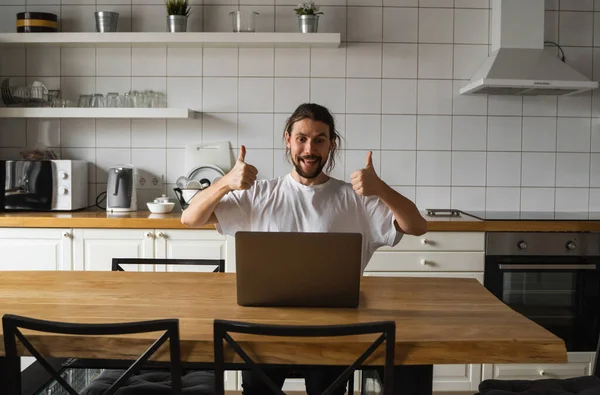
552, 278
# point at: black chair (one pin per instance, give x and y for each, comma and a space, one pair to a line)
223, 329
584, 385
11, 325
117, 262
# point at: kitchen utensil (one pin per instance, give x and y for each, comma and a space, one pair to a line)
161, 205
120, 190
243, 21
182, 182
193, 184
106, 21
184, 196
215, 153
206, 175
160, 208
37, 22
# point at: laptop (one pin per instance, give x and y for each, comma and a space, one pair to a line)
298, 269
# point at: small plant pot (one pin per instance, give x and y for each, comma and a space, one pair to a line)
177, 23
308, 23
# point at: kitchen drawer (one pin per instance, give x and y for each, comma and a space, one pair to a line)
476, 275
441, 241
579, 364
389, 261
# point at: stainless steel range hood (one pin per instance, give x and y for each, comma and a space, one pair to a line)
518, 64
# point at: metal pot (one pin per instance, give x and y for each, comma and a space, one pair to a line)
308, 23
177, 23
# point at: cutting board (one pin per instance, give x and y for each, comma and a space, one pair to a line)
217, 153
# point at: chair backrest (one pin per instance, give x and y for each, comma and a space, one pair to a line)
386, 330
117, 262
11, 325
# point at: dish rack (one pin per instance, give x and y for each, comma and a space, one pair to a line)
27, 96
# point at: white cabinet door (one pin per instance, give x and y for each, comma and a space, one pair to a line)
455, 377
36, 249
190, 244
578, 364
95, 248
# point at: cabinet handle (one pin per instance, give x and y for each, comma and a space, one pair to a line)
67, 235
149, 235
424, 241
543, 373
425, 262
162, 235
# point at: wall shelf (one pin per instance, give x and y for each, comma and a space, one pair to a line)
75, 112
289, 40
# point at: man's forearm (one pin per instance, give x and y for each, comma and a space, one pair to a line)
408, 218
203, 204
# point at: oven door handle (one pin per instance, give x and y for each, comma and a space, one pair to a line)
509, 266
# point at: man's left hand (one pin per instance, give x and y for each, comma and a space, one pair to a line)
365, 182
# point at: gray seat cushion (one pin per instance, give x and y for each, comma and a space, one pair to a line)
156, 382
586, 385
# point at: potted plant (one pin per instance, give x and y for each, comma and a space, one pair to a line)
177, 14
308, 16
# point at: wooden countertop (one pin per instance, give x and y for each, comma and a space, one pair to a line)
93, 219
438, 320
146, 220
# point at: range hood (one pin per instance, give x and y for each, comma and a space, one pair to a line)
518, 64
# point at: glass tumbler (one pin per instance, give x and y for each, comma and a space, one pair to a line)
97, 101
243, 21
84, 101
112, 99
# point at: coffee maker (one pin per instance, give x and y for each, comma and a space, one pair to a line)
120, 190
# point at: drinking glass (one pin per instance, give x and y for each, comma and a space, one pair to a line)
112, 99
97, 101
84, 101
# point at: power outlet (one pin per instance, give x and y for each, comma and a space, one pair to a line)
146, 180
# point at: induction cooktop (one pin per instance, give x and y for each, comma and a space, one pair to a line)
516, 215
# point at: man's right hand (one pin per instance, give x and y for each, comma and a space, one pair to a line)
243, 175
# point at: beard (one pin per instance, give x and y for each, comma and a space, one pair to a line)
317, 167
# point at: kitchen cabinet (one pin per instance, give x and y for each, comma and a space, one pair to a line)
433, 252
190, 244
36, 249
94, 248
578, 364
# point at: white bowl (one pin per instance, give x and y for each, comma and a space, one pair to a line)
188, 194
160, 208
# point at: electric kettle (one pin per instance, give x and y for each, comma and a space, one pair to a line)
120, 190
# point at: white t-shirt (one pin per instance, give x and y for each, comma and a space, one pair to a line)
284, 205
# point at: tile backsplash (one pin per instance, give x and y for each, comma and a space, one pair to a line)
392, 85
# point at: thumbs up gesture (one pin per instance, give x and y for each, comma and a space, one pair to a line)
365, 182
243, 175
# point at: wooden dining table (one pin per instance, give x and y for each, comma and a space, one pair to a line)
438, 320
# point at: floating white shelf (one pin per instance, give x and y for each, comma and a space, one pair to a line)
75, 112
318, 40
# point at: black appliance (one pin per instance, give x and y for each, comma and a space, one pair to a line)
552, 278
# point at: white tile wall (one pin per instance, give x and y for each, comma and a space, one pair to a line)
392, 85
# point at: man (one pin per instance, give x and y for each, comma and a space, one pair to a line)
307, 200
